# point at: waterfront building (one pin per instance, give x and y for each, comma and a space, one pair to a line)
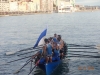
4, 1
4, 7
50, 6
35, 5
13, 6
46, 5
65, 5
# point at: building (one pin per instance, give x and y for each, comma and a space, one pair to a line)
36, 5
4, 1
4, 7
65, 5
46, 5
26, 6
13, 6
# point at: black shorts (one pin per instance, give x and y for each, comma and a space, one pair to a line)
61, 51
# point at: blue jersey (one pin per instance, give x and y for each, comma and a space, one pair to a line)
55, 40
56, 53
49, 49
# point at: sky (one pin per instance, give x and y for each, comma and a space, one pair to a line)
88, 2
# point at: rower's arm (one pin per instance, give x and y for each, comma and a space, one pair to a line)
35, 55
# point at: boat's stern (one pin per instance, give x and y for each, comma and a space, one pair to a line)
50, 67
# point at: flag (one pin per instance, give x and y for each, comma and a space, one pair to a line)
40, 40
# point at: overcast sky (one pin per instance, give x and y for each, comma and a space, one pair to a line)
88, 2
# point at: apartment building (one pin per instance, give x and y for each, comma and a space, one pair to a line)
46, 5
4, 7
36, 5
26, 5
65, 5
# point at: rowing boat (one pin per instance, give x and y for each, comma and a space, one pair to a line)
51, 66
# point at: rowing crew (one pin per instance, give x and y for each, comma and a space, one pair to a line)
53, 47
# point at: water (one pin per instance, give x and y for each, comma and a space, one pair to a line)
20, 32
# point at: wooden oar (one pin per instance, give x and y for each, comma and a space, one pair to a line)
34, 66
81, 45
32, 70
98, 47
13, 52
86, 47
22, 67
83, 56
15, 60
83, 48
28, 52
30, 49
83, 51
29, 60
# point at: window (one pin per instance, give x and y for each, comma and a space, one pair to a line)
67, 0
4, 0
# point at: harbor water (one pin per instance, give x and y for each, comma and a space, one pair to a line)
21, 32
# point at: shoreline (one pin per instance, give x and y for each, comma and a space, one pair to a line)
33, 13
24, 13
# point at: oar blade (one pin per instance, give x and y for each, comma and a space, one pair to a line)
98, 47
3, 63
16, 72
10, 53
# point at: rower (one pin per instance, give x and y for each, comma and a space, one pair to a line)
48, 50
55, 38
55, 51
61, 45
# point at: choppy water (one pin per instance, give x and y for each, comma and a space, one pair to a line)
20, 32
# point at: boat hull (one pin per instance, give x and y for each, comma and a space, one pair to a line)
50, 67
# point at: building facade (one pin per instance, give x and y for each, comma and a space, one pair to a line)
26, 6
46, 5
65, 5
